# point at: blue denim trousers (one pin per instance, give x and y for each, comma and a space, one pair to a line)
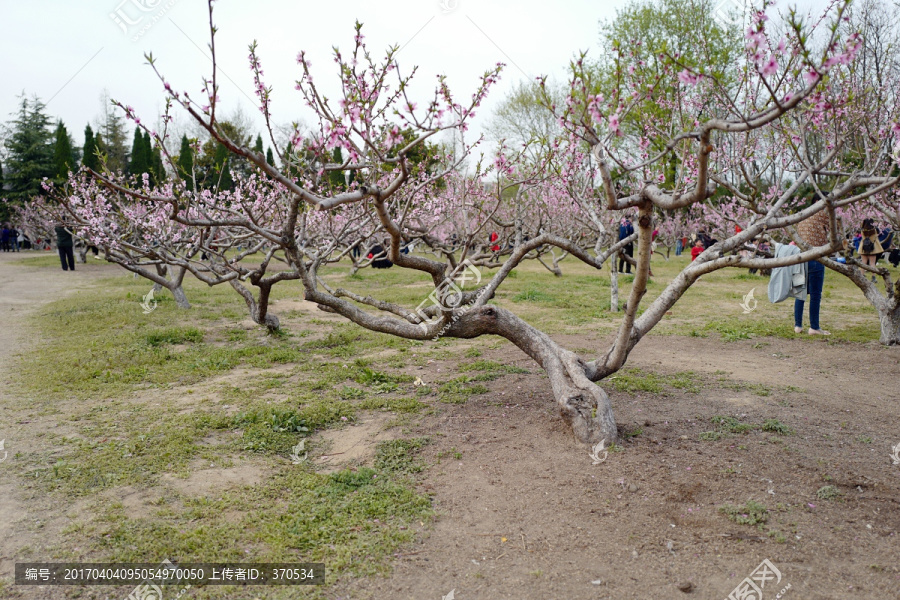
815, 279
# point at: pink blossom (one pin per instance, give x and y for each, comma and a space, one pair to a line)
688, 78
770, 68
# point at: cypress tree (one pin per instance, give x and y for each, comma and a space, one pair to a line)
258, 146
337, 177
157, 169
64, 158
186, 162
270, 157
221, 171
140, 155
89, 157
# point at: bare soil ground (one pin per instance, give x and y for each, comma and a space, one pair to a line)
523, 513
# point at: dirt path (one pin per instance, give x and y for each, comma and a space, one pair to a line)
524, 513
25, 519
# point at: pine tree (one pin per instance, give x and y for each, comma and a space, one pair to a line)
258, 146
112, 125
89, 150
270, 157
29, 149
64, 156
186, 162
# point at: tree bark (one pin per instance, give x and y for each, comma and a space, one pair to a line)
887, 305
613, 286
259, 309
582, 403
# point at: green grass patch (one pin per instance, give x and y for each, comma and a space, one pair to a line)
751, 513
400, 456
533, 295
828, 492
174, 335
400, 405
776, 426
732, 425
636, 380
351, 520
490, 366
458, 390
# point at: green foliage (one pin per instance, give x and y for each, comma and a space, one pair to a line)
490, 366
828, 492
401, 405
157, 169
186, 162
532, 295
752, 513
653, 35
776, 426
140, 155
65, 158
635, 380
377, 382
733, 331
174, 335
296, 515
214, 165
732, 425
399, 456
112, 137
29, 152
89, 151
458, 390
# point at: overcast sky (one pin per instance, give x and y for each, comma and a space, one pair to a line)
68, 52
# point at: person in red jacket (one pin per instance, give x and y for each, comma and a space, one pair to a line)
697, 250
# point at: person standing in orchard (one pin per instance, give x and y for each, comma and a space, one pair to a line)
64, 245
869, 244
813, 231
626, 229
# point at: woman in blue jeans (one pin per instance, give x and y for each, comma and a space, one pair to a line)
815, 279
